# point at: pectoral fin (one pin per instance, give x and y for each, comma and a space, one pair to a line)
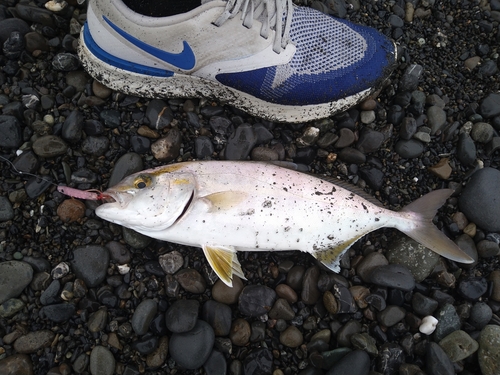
224, 262
224, 200
331, 257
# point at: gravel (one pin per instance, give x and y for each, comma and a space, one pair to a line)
80, 295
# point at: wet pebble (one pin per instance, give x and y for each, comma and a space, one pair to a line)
490, 106
258, 362
11, 307
218, 315
488, 249
473, 288
58, 313
14, 277
127, 164
423, 305
482, 132
158, 357
489, 350
394, 276
436, 117
369, 141
171, 262
448, 321
466, 149
240, 332
191, 349
182, 315
191, 280
102, 361
16, 364
391, 315
33, 341
310, 293
167, 148
281, 310
225, 294
90, 263
241, 142
346, 138
215, 364
11, 132
437, 362
458, 345
95, 145
203, 147
49, 146
291, 337
409, 149
370, 263
355, 362
351, 155
408, 128
143, 315
159, 114
256, 300
418, 259
6, 210
264, 154
118, 252
363, 341
480, 201
71, 210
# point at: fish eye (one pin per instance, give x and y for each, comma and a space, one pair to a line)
142, 181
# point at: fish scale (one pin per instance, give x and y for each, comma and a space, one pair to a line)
226, 206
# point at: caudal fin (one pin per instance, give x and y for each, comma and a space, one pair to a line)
424, 231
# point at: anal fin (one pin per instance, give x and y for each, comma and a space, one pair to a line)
224, 262
331, 257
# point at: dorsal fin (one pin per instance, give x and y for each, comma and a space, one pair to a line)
352, 188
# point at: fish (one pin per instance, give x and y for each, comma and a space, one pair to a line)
228, 206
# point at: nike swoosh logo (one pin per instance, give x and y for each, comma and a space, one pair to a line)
183, 60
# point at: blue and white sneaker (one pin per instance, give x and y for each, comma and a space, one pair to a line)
269, 58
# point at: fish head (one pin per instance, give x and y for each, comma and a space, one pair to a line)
149, 201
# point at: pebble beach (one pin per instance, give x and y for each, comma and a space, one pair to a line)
79, 295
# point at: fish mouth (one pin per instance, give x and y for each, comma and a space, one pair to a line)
111, 196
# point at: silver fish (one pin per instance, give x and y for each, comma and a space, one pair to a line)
226, 206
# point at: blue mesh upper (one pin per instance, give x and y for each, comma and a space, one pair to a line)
334, 59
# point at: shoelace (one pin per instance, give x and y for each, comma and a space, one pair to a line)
271, 13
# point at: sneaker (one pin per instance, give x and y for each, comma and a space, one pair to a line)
269, 58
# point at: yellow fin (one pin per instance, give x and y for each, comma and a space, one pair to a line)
224, 200
224, 262
331, 257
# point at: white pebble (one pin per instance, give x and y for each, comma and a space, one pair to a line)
123, 269
428, 325
61, 270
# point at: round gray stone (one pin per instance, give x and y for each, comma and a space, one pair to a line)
14, 277
143, 315
480, 200
191, 349
102, 361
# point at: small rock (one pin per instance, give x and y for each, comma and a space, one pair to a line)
191, 280
291, 337
14, 277
394, 276
34, 341
356, 362
71, 210
442, 169
16, 364
458, 345
227, 295
489, 350
240, 332
102, 361
167, 148
437, 362
90, 263
143, 315
191, 349
256, 300
218, 315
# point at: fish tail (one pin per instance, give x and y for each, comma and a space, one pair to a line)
418, 225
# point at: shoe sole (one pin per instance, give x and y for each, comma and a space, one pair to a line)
188, 86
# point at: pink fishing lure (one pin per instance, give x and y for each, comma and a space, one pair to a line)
93, 194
